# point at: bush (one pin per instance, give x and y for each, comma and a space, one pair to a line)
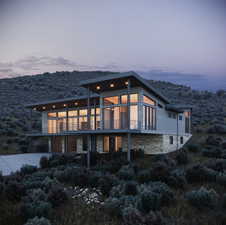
28, 169
221, 179
1, 176
1, 188
224, 201
199, 173
132, 216
212, 153
177, 178
149, 200
44, 162
126, 173
33, 209
57, 196
38, 221
159, 172
202, 198
130, 188
106, 182
193, 147
14, 190
182, 158
144, 176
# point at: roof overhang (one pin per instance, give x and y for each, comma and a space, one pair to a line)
178, 108
119, 81
77, 101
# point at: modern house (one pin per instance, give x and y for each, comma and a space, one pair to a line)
120, 112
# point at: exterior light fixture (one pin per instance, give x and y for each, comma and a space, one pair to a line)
76, 103
98, 87
65, 105
35, 109
112, 85
126, 83
43, 107
54, 106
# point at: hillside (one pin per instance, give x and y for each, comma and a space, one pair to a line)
209, 108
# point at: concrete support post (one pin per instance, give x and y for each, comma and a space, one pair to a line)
129, 134
49, 144
101, 114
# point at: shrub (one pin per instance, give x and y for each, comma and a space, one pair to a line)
1, 188
182, 158
106, 183
1, 177
224, 201
193, 147
57, 196
112, 206
199, 173
218, 165
132, 216
28, 169
202, 198
35, 195
212, 153
130, 188
44, 162
149, 200
14, 190
144, 176
32, 209
221, 179
38, 221
126, 173
177, 178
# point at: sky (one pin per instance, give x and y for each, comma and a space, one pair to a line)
181, 40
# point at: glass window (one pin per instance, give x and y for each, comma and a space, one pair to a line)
111, 100
133, 117
62, 114
83, 112
83, 123
72, 124
124, 99
84, 142
52, 126
52, 114
134, 98
106, 143
181, 140
72, 113
148, 100
171, 140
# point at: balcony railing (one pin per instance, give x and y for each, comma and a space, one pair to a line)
108, 125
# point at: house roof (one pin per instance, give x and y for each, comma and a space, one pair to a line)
62, 100
178, 107
136, 80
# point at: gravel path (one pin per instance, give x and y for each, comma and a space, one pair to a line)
12, 163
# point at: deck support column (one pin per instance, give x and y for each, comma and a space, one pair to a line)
129, 134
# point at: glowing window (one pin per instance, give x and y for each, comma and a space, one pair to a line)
62, 114
148, 100
83, 112
72, 113
52, 114
111, 100
124, 99
134, 98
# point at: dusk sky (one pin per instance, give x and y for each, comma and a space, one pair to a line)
177, 40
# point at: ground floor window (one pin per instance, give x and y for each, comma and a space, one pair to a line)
84, 142
181, 140
112, 143
171, 140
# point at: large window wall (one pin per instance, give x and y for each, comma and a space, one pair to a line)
115, 111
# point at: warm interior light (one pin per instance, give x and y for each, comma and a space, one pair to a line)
126, 83
65, 105
76, 103
98, 87
112, 85
43, 107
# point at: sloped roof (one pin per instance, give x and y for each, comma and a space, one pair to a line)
130, 74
